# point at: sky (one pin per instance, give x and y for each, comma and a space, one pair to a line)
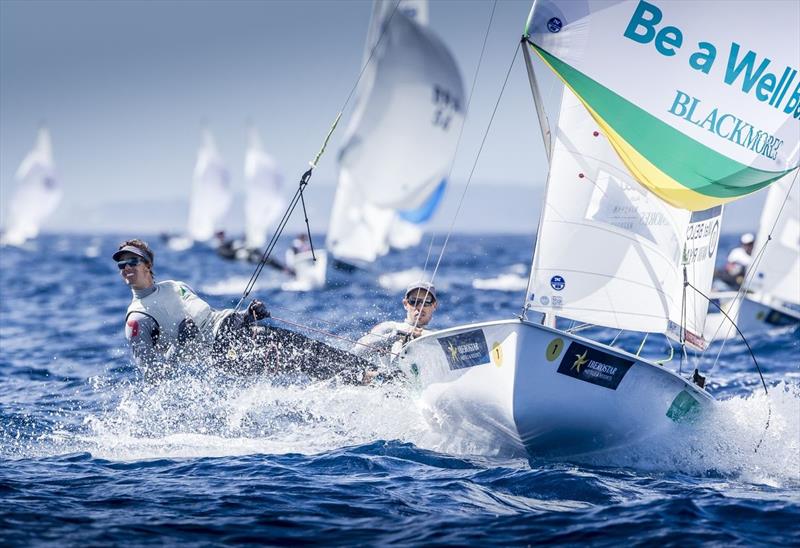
126, 87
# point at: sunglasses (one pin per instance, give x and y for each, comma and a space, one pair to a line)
129, 262
423, 302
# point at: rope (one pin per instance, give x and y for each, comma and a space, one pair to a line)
475, 164
466, 113
335, 336
306, 177
750, 274
755, 361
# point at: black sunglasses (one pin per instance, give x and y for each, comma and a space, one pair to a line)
423, 302
129, 262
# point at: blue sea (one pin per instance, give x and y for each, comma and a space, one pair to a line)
92, 455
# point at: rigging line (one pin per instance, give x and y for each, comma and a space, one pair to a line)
320, 320
335, 336
466, 113
307, 175
475, 163
755, 361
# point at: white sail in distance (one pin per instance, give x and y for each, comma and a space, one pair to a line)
401, 137
263, 199
777, 272
211, 192
38, 193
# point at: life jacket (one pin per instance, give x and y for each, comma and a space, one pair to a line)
169, 305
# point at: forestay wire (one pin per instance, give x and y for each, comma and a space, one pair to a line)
475, 164
306, 177
466, 114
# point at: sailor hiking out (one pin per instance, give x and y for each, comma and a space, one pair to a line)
167, 325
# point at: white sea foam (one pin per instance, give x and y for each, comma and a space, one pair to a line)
235, 285
503, 282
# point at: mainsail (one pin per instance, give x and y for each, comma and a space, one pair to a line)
699, 108
401, 138
38, 193
777, 273
211, 192
263, 199
609, 252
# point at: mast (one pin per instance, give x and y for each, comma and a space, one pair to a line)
544, 126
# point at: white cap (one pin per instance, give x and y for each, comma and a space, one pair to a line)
425, 286
747, 238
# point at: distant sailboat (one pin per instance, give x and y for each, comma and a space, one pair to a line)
401, 138
772, 284
264, 201
210, 199
628, 233
38, 193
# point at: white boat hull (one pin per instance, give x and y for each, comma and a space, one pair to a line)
553, 393
751, 314
309, 273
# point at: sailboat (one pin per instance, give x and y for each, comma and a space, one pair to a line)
771, 298
210, 198
264, 202
629, 228
38, 193
401, 138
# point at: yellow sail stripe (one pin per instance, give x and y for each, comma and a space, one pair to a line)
644, 171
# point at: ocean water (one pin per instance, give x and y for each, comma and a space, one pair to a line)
92, 455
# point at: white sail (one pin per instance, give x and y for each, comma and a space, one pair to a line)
38, 193
609, 252
263, 199
777, 273
211, 192
401, 138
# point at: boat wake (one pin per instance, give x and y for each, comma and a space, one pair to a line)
235, 285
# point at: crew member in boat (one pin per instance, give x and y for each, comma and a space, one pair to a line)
738, 261
167, 325
389, 337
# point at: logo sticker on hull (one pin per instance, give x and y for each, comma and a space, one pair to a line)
684, 408
593, 366
497, 354
554, 349
465, 349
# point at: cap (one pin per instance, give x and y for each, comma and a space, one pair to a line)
135, 250
747, 238
425, 286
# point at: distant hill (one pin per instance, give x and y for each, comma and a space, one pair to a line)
503, 209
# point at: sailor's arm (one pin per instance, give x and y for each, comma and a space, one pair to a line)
382, 337
142, 332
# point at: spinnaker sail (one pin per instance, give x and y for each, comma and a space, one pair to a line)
401, 138
703, 110
38, 193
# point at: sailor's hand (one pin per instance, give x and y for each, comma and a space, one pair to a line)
416, 332
257, 311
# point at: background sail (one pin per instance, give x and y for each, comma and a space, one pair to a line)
211, 192
38, 193
778, 272
704, 109
401, 138
263, 200
609, 252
